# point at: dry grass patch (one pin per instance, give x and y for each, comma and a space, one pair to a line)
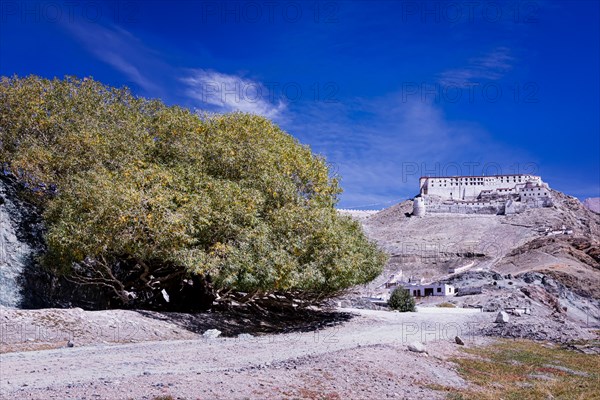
446, 305
523, 369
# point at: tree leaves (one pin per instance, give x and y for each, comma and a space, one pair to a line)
231, 196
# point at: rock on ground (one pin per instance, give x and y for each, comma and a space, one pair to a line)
502, 317
417, 347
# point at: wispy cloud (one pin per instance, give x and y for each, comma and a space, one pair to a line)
232, 92
381, 157
491, 67
119, 49
143, 66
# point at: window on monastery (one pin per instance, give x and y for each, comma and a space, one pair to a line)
439, 290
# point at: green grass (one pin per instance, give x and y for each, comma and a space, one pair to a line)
504, 371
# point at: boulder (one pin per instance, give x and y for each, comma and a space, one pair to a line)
212, 334
466, 291
17, 247
417, 347
502, 317
245, 336
345, 304
24, 281
459, 340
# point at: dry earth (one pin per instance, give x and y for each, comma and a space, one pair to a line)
363, 358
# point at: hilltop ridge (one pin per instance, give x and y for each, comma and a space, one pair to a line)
547, 257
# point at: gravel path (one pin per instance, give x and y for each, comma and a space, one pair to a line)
363, 358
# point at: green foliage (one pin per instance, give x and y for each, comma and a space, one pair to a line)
401, 300
229, 196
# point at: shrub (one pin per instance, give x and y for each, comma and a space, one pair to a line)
401, 300
137, 194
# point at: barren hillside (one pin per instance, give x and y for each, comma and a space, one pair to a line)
566, 235
545, 258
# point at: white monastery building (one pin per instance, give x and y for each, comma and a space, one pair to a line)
476, 187
494, 194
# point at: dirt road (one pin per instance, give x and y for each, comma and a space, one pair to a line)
363, 358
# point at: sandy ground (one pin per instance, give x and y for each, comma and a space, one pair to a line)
363, 358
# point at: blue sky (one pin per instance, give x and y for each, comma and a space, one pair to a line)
386, 90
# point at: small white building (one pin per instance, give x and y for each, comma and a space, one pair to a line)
433, 289
534, 191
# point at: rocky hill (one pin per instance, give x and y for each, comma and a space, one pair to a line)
430, 246
593, 203
561, 244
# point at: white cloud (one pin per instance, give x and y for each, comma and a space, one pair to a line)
232, 92
118, 48
140, 64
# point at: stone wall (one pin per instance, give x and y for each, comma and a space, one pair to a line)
500, 205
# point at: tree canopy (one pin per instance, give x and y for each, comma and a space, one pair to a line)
130, 187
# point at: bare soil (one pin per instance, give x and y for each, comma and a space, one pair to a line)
361, 358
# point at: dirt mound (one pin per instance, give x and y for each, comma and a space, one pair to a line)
553, 330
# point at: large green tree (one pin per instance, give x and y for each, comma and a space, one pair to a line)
136, 194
